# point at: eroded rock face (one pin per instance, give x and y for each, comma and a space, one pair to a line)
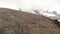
15, 22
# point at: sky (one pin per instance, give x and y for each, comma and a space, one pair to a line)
51, 5
8, 4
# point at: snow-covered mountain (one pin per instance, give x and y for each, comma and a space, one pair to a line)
44, 12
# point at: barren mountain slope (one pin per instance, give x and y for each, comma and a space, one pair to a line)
15, 22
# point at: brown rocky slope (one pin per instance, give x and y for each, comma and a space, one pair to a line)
18, 22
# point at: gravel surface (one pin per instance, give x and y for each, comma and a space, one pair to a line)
18, 22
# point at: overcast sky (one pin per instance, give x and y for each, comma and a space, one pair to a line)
51, 5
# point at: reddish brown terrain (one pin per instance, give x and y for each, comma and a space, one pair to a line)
18, 22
